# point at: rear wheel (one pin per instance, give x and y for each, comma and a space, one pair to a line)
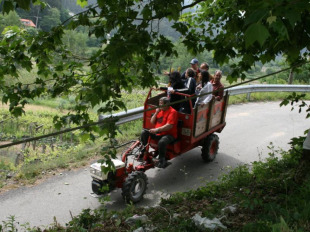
134, 187
210, 147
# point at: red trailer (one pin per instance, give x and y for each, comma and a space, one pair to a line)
196, 128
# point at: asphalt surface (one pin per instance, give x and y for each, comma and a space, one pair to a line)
250, 129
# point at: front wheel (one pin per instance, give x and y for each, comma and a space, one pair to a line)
134, 187
210, 147
101, 187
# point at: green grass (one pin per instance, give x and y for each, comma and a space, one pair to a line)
64, 156
26, 124
131, 100
25, 77
56, 103
38, 164
66, 152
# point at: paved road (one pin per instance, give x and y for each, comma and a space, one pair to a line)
250, 128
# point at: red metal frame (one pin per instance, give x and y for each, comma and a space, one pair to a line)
210, 118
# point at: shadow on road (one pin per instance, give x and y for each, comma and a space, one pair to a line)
187, 172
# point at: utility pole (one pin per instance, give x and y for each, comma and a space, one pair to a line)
37, 17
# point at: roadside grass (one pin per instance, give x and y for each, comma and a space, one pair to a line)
131, 100
36, 164
56, 103
271, 195
68, 152
71, 158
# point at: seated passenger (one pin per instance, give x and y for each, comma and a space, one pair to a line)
205, 67
204, 98
218, 87
190, 82
195, 67
177, 86
165, 120
190, 88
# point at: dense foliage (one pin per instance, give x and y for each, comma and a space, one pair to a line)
253, 31
131, 47
245, 31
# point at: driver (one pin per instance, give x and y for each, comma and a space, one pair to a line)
165, 120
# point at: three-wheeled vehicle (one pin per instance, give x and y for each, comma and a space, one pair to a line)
196, 128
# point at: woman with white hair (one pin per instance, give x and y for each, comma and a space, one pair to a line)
218, 87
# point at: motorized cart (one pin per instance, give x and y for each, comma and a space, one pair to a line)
195, 129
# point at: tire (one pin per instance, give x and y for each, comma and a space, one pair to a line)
210, 147
134, 187
97, 185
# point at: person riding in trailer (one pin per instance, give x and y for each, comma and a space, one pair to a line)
218, 87
165, 120
195, 66
205, 87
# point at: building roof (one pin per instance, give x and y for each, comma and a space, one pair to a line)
27, 23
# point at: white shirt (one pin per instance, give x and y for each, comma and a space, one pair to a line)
208, 88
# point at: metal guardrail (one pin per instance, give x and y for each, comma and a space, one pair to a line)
134, 114
268, 88
248, 89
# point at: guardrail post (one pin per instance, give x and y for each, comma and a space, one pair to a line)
290, 77
248, 96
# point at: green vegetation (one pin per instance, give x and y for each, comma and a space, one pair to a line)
31, 161
125, 49
70, 150
98, 37
37, 159
26, 163
10, 19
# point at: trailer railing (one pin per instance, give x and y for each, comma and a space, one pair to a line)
248, 89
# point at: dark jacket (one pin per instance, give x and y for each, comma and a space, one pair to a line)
177, 87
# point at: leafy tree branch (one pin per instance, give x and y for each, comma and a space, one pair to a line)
129, 53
